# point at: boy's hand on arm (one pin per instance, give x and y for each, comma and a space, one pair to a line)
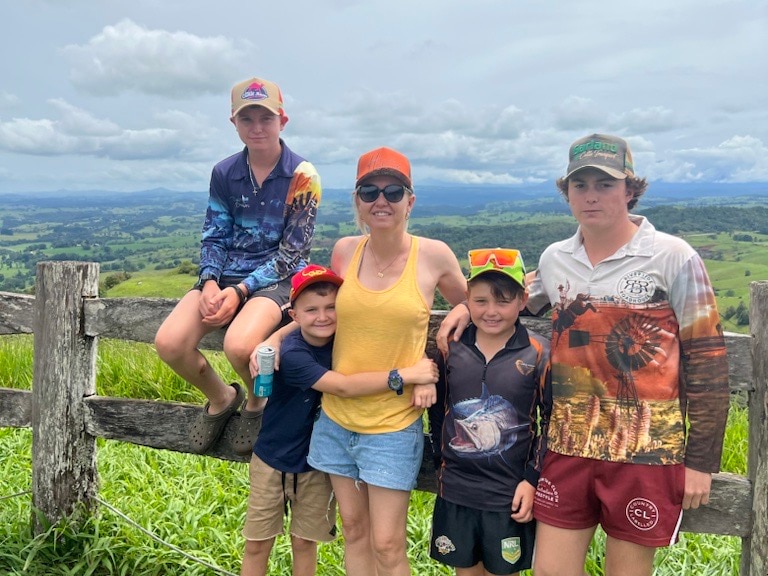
423, 372
452, 326
522, 502
697, 487
424, 395
423, 375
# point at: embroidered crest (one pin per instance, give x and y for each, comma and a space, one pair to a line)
444, 545
510, 549
636, 287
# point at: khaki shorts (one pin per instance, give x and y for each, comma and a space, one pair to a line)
308, 495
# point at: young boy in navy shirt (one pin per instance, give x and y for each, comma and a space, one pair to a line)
279, 473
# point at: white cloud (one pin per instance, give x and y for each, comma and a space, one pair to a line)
132, 95
175, 135
8, 100
36, 137
129, 57
648, 120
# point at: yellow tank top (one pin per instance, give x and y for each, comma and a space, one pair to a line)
378, 330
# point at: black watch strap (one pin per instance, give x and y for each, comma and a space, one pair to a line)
203, 278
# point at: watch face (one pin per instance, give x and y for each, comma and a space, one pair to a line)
395, 381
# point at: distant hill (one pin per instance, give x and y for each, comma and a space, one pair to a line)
459, 195
658, 193
152, 237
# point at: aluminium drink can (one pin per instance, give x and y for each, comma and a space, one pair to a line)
262, 384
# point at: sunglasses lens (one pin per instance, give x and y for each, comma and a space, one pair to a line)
368, 193
502, 257
392, 193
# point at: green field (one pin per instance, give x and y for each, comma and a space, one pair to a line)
144, 238
197, 504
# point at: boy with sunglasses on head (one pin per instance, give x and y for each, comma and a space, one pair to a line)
489, 425
279, 472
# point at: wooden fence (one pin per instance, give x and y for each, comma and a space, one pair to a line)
66, 416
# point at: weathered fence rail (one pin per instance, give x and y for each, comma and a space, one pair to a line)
66, 416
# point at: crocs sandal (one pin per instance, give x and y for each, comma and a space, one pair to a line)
207, 428
246, 431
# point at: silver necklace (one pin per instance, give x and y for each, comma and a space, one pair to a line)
256, 189
250, 174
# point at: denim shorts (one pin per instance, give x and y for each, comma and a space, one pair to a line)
388, 460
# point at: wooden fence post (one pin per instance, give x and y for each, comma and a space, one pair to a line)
64, 472
754, 555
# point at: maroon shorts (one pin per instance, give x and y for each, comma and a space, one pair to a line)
634, 502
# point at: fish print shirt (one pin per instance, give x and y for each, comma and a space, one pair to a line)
637, 348
490, 420
260, 236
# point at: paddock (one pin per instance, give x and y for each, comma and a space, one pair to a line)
67, 318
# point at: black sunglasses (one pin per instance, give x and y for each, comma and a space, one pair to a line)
392, 193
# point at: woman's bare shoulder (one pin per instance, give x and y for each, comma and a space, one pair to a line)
432, 246
347, 243
342, 253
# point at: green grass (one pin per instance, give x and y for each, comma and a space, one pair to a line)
151, 284
198, 503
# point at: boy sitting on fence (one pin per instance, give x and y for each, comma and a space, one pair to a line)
279, 473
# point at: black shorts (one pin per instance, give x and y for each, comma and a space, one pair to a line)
278, 293
462, 537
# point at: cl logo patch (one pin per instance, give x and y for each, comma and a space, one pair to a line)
642, 514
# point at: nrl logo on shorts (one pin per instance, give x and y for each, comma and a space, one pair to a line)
510, 549
636, 287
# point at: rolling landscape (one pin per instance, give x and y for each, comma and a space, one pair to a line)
147, 243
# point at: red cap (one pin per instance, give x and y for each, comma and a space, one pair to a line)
384, 161
312, 274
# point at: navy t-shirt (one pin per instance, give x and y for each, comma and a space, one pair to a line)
283, 442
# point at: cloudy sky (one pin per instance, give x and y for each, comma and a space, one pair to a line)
134, 94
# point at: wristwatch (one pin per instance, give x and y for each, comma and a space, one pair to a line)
395, 382
203, 278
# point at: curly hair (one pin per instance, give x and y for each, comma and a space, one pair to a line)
635, 185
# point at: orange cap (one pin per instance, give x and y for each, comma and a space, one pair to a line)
384, 161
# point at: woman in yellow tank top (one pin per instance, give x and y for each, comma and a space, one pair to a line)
372, 446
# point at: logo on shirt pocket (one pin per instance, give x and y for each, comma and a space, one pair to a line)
636, 287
